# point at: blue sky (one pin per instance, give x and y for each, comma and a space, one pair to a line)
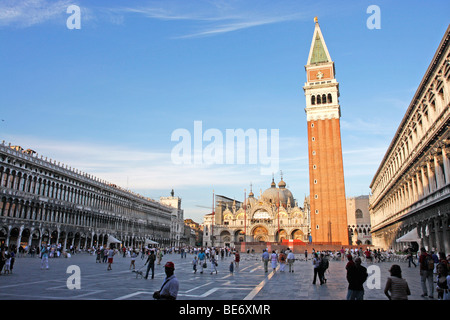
106, 98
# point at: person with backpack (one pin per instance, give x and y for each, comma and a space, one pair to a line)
356, 276
282, 260
426, 264
323, 266
317, 272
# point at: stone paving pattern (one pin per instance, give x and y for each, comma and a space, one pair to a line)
249, 282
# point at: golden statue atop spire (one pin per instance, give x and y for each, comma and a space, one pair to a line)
316, 20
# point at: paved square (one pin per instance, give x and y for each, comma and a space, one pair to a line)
248, 282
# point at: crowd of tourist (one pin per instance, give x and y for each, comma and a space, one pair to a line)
433, 266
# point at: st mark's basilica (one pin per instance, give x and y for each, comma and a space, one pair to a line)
274, 216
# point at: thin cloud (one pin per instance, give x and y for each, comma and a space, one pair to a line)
216, 17
239, 25
31, 12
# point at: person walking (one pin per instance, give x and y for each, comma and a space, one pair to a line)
426, 266
13, 259
265, 259
442, 281
7, 263
202, 260
282, 260
2, 259
110, 256
159, 256
151, 264
170, 286
323, 266
133, 259
99, 256
316, 265
291, 260
194, 264
104, 255
410, 256
396, 287
44, 257
356, 276
274, 260
213, 264
237, 259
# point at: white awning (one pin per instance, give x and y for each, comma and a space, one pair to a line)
111, 239
148, 241
411, 236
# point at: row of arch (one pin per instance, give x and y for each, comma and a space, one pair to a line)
321, 99
76, 193
261, 234
31, 211
360, 235
15, 236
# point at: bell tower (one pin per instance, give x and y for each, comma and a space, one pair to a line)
326, 172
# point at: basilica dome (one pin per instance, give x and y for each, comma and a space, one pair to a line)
274, 195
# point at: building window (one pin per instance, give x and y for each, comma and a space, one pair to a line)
316, 196
317, 227
358, 214
313, 100
313, 139
313, 153
317, 211
315, 181
314, 167
330, 98
312, 124
319, 101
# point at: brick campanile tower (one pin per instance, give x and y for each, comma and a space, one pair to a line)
326, 170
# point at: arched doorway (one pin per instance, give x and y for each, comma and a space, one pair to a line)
260, 234
3, 236
282, 235
239, 236
25, 237
298, 235
13, 236
225, 238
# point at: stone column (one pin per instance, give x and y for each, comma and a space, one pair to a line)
425, 236
437, 235
410, 192
30, 239
432, 234
438, 173
446, 235
431, 177
446, 165
19, 237
419, 187
415, 196
425, 186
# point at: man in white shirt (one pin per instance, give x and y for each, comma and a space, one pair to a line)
169, 289
291, 259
